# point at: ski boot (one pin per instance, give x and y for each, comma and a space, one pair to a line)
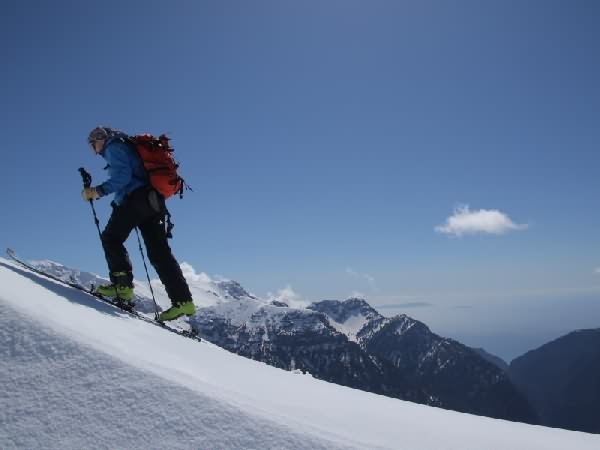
186, 308
121, 287
117, 291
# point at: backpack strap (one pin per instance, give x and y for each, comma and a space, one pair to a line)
169, 225
184, 186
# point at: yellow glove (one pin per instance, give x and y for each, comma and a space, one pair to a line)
90, 194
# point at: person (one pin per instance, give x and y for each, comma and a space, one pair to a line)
135, 204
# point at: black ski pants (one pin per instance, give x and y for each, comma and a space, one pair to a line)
143, 208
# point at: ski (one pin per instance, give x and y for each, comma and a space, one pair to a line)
127, 308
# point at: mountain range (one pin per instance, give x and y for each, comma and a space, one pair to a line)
344, 342
70, 362
350, 343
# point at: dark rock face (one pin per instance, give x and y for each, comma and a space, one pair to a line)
561, 379
496, 360
452, 375
342, 311
232, 289
300, 340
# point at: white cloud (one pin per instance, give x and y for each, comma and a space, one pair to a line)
190, 273
487, 221
370, 279
288, 296
597, 270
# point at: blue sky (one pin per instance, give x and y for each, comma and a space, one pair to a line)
442, 156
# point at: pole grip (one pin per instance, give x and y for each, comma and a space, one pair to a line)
86, 178
87, 182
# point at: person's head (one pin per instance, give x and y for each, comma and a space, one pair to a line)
97, 138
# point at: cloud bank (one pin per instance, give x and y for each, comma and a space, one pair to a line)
484, 221
190, 273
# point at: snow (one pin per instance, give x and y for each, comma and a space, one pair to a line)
351, 326
77, 373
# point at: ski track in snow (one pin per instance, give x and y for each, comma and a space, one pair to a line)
80, 374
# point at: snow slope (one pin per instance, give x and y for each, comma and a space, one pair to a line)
77, 373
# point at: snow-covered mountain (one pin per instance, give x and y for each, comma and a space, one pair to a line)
77, 373
347, 343
428, 368
350, 318
343, 342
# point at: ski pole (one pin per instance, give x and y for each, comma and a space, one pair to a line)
156, 314
87, 182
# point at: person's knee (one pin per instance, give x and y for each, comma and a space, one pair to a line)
109, 239
158, 254
105, 237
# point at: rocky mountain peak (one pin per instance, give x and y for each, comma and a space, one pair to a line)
233, 289
342, 311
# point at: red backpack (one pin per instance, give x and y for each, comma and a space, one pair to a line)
156, 155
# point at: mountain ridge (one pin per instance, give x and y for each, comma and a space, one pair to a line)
561, 379
72, 362
345, 342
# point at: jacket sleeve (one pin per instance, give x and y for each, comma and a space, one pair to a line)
121, 171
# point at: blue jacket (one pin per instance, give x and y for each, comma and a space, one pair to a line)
125, 169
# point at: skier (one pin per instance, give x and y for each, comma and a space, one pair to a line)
135, 204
